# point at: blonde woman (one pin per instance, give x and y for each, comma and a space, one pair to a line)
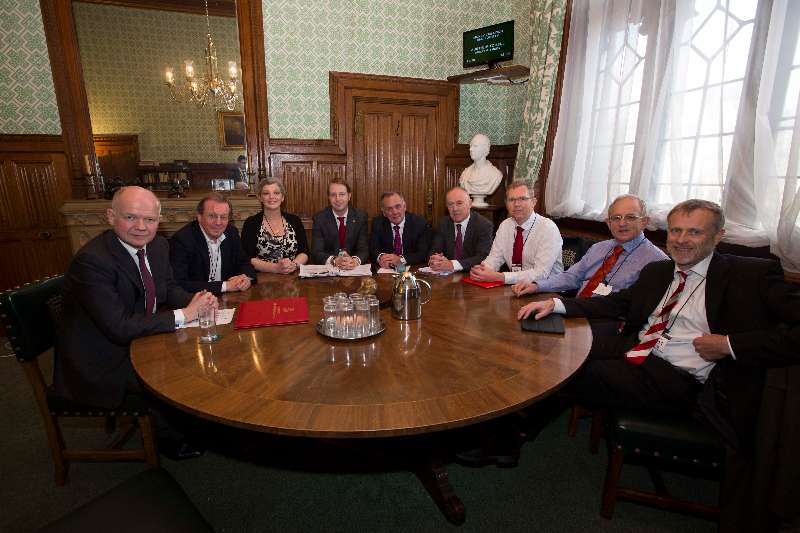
275, 241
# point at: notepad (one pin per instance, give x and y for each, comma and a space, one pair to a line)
484, 284
273, 312
552, 323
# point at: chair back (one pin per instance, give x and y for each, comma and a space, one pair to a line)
26, 312
573, 249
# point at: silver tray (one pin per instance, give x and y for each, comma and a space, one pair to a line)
381, 329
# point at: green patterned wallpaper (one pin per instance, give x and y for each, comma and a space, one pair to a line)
29, 100
124, 52
304, 39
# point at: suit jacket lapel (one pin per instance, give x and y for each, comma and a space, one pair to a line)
654, 296
124, 260
350, 229
202, 245
716, 282
449, 238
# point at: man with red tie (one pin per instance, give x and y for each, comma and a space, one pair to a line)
463, 239
697, 315
339, 235
611, 265
527, 243
119, 286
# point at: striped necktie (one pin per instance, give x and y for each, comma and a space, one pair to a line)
601, 273
639, 353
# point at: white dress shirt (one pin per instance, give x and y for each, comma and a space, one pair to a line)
214, 258
179, 318
541, 252
687, 321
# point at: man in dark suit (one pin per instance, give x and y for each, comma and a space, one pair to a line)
463, 239
700, 318
119, 286
239, 174
399, 237
207, 254
339, 236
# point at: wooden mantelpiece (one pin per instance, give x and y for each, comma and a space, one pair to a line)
86, 219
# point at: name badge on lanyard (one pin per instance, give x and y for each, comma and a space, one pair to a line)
602, 289
662, 342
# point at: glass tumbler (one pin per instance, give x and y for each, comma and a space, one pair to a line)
374, 314
344, 319
329, 317
361, 315
207, 320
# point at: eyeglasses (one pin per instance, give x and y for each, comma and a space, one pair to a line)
626, 218
516, 199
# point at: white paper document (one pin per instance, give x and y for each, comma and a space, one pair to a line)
323, 271
387, 271
431, 272
224, 316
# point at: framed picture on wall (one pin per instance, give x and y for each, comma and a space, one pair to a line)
231, 130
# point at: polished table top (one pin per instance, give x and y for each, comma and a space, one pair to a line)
466, 360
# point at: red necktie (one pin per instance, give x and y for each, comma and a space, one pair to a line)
639, 353
516, 256
342, 232
601, 273
149, 284
398, 242
459, 247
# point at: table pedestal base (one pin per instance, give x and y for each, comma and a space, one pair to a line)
434, 477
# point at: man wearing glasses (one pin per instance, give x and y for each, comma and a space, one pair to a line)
607, 266
528, 243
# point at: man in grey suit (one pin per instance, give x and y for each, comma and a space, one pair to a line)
463, 239
339, 236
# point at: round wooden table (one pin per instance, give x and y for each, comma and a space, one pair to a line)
465, 361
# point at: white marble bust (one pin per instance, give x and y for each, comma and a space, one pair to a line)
481, 178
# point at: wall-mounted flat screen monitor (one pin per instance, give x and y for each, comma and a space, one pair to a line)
489, 45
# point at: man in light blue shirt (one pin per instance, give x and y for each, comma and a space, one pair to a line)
611, 265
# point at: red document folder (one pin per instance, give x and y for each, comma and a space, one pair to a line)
275, 312
484, 284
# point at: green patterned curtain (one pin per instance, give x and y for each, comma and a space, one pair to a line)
547, 27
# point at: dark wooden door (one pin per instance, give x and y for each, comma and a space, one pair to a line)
118, 156
394, 148
33, 240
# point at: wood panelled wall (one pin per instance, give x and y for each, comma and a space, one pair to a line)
34, 183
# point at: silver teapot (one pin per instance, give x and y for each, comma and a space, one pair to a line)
407, 301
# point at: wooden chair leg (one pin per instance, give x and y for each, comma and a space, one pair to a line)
611, 485
55, 439
596, 432
574, 417
148, 439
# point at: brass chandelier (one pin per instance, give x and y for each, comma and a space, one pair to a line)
208, 89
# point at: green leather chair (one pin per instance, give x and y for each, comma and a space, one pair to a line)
31, 314
659, 442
